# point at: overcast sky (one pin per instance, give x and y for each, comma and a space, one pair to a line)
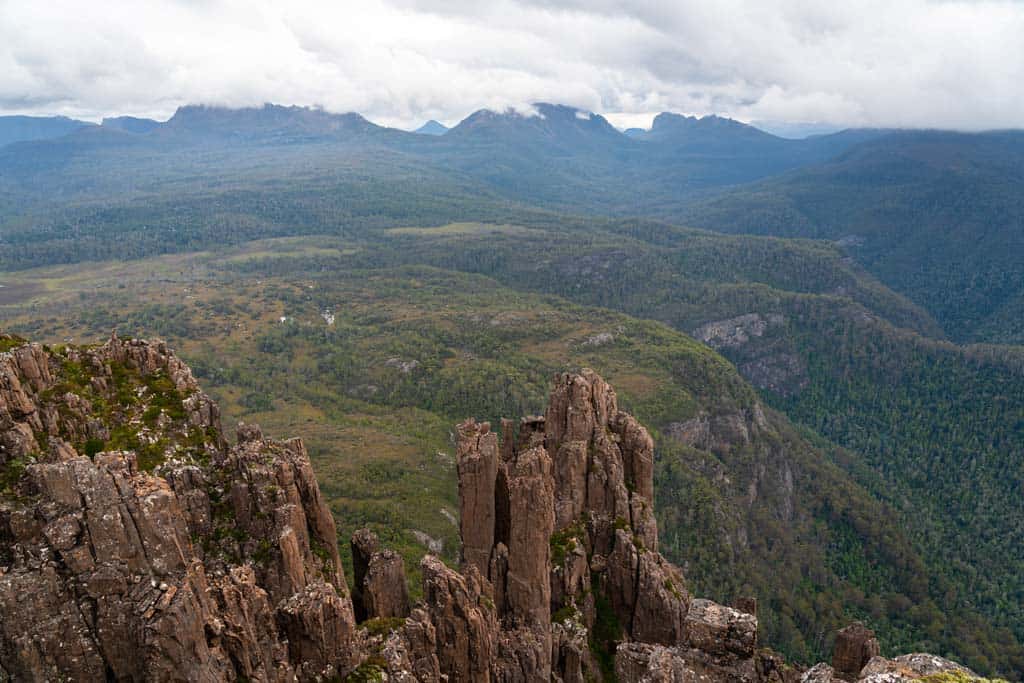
957, 64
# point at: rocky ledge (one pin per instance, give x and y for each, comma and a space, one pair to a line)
137, 544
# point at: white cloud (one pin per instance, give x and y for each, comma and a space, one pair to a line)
954, 63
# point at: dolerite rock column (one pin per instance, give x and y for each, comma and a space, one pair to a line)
604, 483
379, 587
855, 646
477, 463
465, 625
558, 510
507, 517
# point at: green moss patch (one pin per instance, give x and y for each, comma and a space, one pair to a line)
382, 626
8, 342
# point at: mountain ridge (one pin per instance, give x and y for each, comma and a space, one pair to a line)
29, 128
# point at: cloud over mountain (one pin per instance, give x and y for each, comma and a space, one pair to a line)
871, 62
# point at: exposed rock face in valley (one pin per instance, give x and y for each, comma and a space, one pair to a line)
137, 544
735, 332
767, 362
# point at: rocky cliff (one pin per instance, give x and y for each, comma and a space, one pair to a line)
137, 544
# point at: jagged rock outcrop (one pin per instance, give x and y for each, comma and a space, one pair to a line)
909, 667
379, 589
507, 500
721, 630
559, 518
463, 619
902, 669
646, 663
137, 544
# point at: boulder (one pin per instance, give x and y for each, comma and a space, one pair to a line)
719, 629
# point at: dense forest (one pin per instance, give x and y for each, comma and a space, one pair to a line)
936, 216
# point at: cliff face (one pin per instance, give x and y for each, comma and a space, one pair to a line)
217, 563
136, 544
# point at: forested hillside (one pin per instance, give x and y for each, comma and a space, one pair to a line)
937, 216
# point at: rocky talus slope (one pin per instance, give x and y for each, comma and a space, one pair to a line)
137, 544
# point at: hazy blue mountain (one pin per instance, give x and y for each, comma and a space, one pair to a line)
548, 124
131, 124
23, 128
432, 127
707, 132
554, 156
797, 130
716, 137
269, 123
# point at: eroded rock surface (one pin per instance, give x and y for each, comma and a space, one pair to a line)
909, 667
138, 546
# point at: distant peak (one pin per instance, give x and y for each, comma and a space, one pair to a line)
667, 118
272, 119
542, 120
432, 127
704, 131
130, 124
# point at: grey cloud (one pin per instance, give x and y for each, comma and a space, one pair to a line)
954, 63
